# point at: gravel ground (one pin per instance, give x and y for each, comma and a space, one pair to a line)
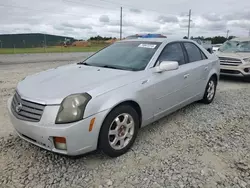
197, 146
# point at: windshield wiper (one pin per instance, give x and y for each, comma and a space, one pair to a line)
110, 66
83, 63
120, 68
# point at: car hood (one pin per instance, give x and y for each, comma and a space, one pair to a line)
53, 85
237, 55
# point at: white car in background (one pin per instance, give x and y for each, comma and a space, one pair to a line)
234, 57
216, 47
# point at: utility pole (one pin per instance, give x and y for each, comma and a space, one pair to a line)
227, 33
121, 25
24, 44
45, 43
189, 20
44, 40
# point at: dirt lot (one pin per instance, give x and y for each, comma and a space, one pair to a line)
198, 146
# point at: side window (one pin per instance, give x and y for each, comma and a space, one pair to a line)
173, 52
203, 55
194, 53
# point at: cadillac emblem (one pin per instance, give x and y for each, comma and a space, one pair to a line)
19, 107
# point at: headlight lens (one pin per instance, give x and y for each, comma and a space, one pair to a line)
72, 108
247, 60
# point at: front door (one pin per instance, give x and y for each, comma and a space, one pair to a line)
170, 86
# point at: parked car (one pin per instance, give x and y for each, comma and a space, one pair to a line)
234, 57
216, 47
207, 44
103, 101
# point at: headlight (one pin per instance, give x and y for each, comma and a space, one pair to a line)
72, 108
247, 60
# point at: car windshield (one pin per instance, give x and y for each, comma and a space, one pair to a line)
217, 45
127, 55
235, 46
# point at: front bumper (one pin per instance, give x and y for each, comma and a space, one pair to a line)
78, 138
238, 71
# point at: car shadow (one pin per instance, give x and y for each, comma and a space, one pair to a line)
235, 79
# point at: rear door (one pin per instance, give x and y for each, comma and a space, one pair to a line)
199, 68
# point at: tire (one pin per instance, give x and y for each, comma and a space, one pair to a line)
247, 79
113, 129
207, 98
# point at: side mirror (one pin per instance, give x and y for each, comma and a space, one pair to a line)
167, 66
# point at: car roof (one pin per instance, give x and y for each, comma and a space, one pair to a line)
166, 40
241, 39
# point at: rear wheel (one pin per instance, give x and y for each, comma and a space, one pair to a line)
119, 131
210, 91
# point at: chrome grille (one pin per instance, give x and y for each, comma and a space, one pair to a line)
26, 110
230, 61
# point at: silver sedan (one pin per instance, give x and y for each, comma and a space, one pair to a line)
102, 102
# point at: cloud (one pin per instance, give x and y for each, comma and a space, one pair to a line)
148, 28
214, 26
242, 15
104, 19
83, 19
167, 19
113, 29
183, 23
61, 27
134, 10
76, 25
244, 24
211, 17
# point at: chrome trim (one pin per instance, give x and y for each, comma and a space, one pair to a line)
26, 110
230, 61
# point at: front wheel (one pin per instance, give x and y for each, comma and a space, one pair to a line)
210, 91
119, 131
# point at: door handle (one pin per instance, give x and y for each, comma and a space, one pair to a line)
206, 68
186, 75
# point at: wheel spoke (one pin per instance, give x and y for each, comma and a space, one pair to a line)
122, 143
125, 120
208, 96
118, 122
113, 132
129, 135
114, 142
130, 125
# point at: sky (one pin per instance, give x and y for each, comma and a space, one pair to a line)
82, 19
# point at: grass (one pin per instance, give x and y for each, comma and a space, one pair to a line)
53, 49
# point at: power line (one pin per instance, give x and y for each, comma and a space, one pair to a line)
227, 33
189, 20
121, 25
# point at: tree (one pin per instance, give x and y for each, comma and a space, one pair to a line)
185, 37
217, 39
100, 38
231, 37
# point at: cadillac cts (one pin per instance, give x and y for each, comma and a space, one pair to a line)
102, 102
